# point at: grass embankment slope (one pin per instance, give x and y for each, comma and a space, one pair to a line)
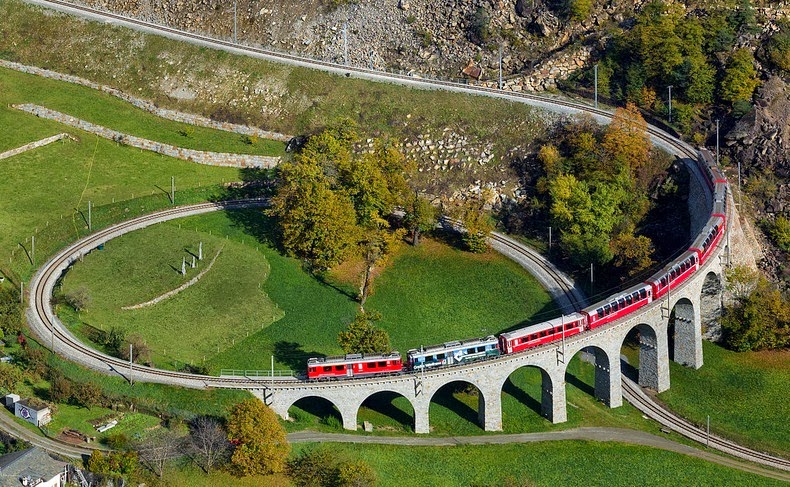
458, 295
42, 188
275, 96
745, 395
566, 463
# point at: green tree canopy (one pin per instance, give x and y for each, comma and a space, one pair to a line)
740, 77
363, 336
261, 443
759, 320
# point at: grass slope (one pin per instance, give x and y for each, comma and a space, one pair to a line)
225, 305
106, 110
745, 395
566, 463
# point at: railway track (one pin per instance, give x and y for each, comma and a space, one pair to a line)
44, 315
636, 396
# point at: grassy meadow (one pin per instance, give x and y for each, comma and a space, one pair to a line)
566, 463
287, 313
745, 395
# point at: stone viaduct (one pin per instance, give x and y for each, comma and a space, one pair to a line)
671, 327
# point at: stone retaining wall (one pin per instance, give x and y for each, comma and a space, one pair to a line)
147, 105
200, 157
34, 145
177, 290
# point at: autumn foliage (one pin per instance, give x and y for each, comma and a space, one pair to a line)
261, 444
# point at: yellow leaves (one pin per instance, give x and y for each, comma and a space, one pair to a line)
261, 443
626, 138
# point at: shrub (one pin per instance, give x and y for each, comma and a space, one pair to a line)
79, 299
780, 233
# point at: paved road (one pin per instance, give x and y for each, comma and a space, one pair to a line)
620, 435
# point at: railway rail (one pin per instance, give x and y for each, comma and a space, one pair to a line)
44, 322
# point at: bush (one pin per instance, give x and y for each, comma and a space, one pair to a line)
780, 233
479, 27
79, 299
760, 320
117, 441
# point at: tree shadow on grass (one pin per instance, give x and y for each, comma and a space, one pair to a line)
292, 355
521, 396
383, 403
445, 397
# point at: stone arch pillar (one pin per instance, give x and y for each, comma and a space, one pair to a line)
608, 376
489, 408
687, 348
553, 404
349, 414
422, 405
654, 357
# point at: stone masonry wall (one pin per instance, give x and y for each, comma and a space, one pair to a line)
34, 145
147, 105
200, 157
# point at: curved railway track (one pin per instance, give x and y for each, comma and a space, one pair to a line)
636, 396
87, 356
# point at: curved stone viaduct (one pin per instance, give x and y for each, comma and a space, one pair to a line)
655, 330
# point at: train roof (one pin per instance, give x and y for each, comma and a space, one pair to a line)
353, 357
452, 346
621, 294
542, 326
658, 275
706, 156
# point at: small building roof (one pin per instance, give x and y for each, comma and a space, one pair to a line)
33, 462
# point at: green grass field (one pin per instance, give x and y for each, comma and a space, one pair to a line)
566, 463
745, 395
106, 110
225, 306
248, 289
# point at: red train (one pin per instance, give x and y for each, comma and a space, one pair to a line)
613, 308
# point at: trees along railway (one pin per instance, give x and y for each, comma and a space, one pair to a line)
675, 280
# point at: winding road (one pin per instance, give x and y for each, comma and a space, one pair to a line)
48, 328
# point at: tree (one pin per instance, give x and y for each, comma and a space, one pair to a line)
141, 352
10, 377
625, 139
60, 389
376, 244
778, 48
741, 281
697, 78
740, 77
114, 340
362, 336
156, 452
209, 441
758, 321
79, 299
632, 253
579, 9
114, 464
780, 233
87, 395
420, 217
313, 467
10, 311
315, 223
261, 444
477, 224
355, 474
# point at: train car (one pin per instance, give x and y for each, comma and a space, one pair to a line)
674, 274
549, 331
619, 305
720, 200
707, 165
353, 365
452, 353
708, 239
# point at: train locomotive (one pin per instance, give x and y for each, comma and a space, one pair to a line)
613, 308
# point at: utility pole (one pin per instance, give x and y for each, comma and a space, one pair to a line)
670, 103
200, 251
345, 43
33, 237
90, 227
500, 66
272, 369
131, 382
717, 142
707, 436
235, 38
183, 266
549, 239
595, 68
740, 195
22, 292
173, 190
591, 279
